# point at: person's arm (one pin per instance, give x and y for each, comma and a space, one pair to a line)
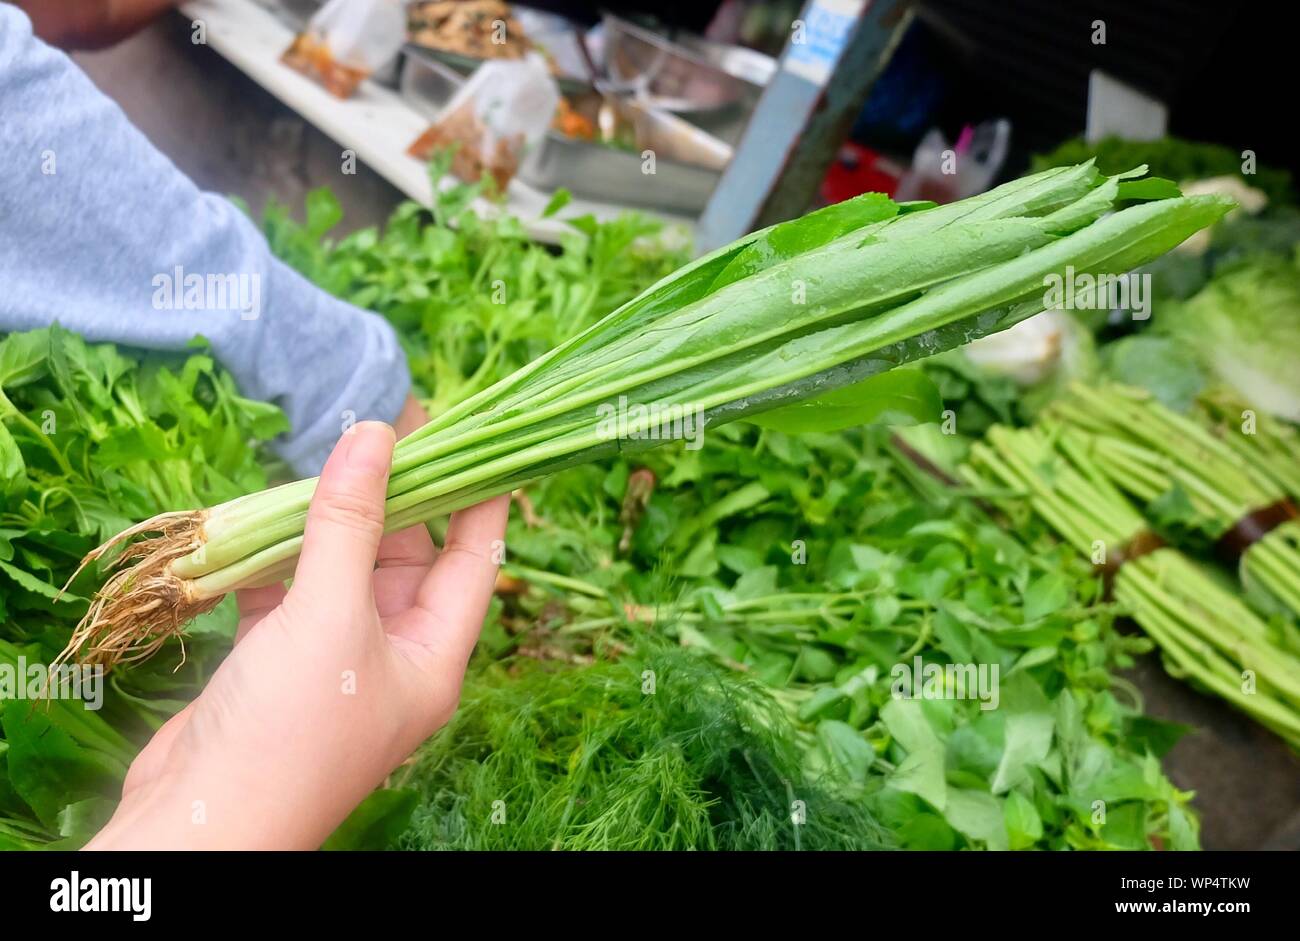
90, 24
100, 232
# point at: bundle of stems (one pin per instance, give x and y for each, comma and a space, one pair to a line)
1234, 654
1149, 451
1205, 633
786, 612
781, 316
1268, 444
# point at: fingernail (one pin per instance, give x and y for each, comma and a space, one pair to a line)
371, 447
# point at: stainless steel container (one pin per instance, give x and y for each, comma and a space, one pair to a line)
671, 165
691, 75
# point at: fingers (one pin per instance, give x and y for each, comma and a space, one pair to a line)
346, 519
404, 560
410, 546
458, 589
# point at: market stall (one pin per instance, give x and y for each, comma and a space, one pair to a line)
876, 481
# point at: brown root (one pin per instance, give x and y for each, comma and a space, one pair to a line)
142, 605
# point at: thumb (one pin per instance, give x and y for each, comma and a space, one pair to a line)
346, 519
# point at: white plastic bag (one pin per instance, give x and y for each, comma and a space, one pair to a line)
347, 40
945, 173
500, 112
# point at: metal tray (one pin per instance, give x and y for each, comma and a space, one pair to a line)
464, 65
687, 164
692, 75
688, 161
603, 173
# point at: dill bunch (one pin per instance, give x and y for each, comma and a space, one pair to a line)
659, 750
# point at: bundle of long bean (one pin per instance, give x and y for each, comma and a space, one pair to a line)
1148, 450
780, 316
1204, 630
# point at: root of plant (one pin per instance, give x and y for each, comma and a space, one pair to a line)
142, 605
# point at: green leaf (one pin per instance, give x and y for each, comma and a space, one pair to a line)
559, 199
47, 768
816, 664
376, 823
1029, 726
1173, 509
921, 772
34, 584
1164, 366
1153, 187
81, 820
1183, 828
23, 358
897, 397
739, 559
851, 756
925, 831
323, 212
1157, 736
124, 445
797, 236
13, 469
1024, 826
1125, 827
1046, 595
67, 364
978, 816
1034, 657
756, 583
264, 420
820, 701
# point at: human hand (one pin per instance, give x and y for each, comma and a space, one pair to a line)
331, 684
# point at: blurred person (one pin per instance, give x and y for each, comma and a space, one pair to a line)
90, 24
101, 232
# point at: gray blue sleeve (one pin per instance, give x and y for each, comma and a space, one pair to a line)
99, 231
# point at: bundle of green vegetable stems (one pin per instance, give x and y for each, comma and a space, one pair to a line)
1267, 443
1156, 454
781, 317
1205, 630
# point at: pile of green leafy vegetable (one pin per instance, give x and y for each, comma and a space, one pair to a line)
92, 438
813, 563
1233, 321
833, 566
1170, 157
1224, 312
473, 298
658, 748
